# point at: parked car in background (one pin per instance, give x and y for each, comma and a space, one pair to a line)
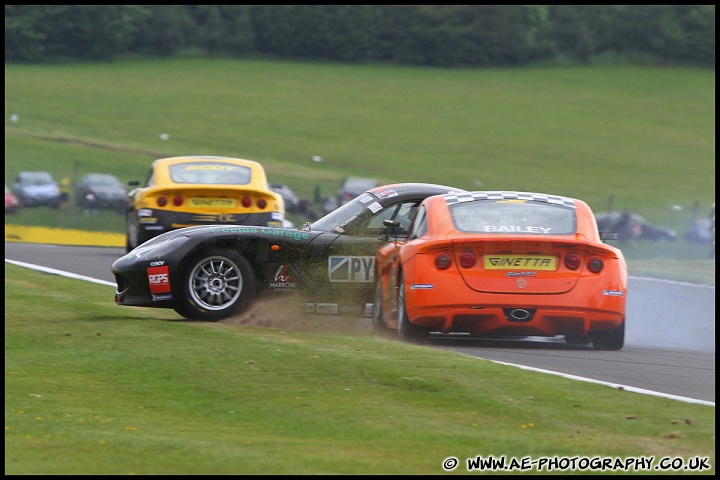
292, 201
213, 272
106, 190
503, 263
11, 201
200, 190
36, 189
631, 226
351, 187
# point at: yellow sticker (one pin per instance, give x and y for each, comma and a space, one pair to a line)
519, 262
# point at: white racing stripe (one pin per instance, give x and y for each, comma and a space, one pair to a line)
59, 272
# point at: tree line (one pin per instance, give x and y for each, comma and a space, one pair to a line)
429, 35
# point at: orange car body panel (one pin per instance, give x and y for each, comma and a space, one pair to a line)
534, 278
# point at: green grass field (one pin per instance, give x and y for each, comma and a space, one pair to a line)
614, 136
93, 388
96, 389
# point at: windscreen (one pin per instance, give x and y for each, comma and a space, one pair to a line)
513, 216
215, 173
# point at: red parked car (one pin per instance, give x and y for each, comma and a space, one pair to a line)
11, 201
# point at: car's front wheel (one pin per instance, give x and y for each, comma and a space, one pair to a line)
407, 331
215, 286
609, 339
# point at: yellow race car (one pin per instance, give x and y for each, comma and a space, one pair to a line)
200, 190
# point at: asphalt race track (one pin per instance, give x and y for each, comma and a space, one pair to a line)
669, 348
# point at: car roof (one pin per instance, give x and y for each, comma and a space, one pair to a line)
510, 195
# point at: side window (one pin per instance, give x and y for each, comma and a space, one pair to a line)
401, 212
418, 227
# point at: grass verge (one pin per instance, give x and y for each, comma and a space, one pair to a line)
93, 389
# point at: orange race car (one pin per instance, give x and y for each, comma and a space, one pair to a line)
503, 263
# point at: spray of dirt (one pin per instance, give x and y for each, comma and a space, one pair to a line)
288, 313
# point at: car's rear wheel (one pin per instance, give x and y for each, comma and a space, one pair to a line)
215, 286
609, 339
378, 321
407, 331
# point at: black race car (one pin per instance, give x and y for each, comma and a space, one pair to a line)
215, 271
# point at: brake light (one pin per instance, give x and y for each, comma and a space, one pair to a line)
572, 261
442, 261
161, 201
246, 202
595, 265
177, 200
467, 260
262, 203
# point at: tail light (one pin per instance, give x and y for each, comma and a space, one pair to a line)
572, 261
595, 265
262, 203
467, 260
161, 201
442, 261
177, 200
246, 202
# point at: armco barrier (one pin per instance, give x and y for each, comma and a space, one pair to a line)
61, 236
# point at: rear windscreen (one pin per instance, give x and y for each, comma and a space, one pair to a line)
513, 216
216, 173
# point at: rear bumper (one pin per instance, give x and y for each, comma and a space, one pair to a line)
546, 321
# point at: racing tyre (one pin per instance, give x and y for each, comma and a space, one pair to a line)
407, 331
215, 286
609, 339
133, 237
378, 322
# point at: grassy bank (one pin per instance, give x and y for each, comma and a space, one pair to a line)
96, 389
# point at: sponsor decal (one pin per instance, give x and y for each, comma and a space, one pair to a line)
159, 279
226, 218
220, 168
147, 219
287, 233
163, 297
520, 274
387, 193
283, 280
514, 229
422, 286
521, 282
276, 216
153, 227
144, 212
158, 263
375, 207
351, 269
235, 230
510, 262
613, 293
364, 198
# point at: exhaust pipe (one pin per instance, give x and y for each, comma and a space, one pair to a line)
519, 314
